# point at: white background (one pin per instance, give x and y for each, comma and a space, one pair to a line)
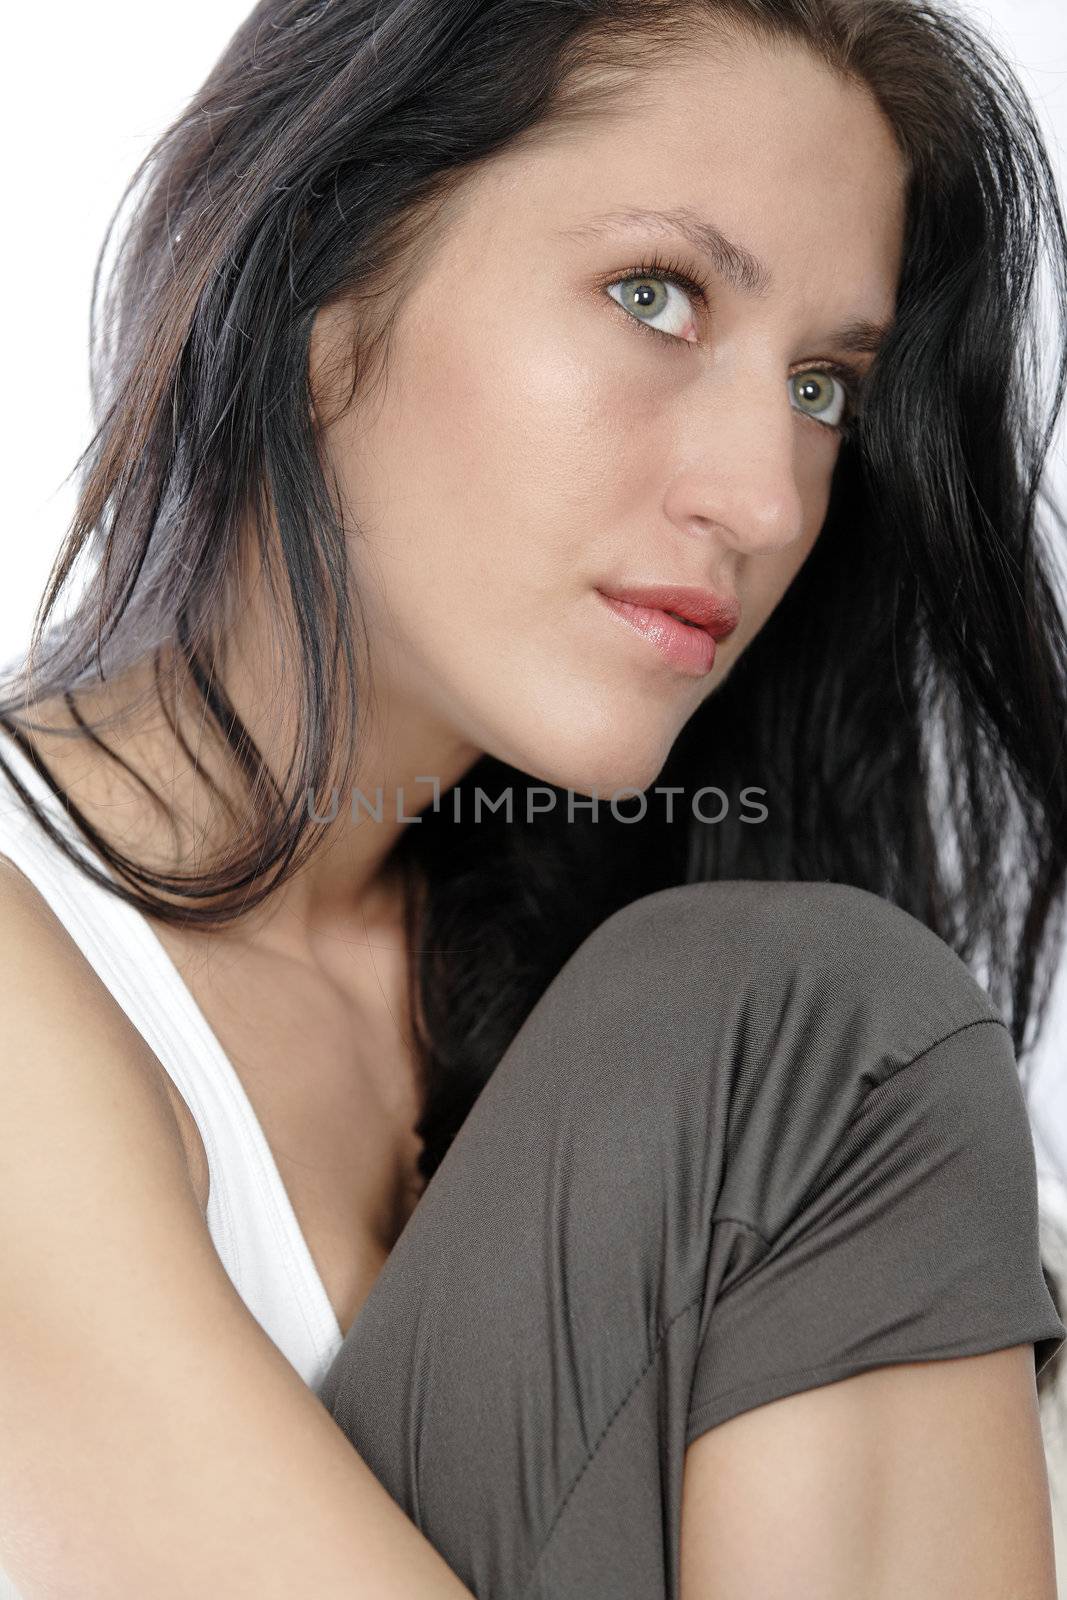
88, 89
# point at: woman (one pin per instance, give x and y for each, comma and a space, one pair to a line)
646, 1192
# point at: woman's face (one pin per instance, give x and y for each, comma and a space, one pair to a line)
549, 430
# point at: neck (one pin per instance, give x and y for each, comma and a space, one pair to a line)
350, 882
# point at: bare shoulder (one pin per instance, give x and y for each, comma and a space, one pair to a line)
156, 1441
58, 1015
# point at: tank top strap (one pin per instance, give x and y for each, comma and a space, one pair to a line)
249, 1215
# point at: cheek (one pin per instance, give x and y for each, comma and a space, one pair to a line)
483, 484
768, 576
518, 446
815, 461
502, 435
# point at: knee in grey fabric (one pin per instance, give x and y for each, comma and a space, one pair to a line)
755, 1137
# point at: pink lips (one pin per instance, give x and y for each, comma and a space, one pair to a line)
688, 646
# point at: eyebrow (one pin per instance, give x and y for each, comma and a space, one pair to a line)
738, 266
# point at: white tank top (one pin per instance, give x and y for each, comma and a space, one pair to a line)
249, 1215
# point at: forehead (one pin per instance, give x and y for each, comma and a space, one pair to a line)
779, 151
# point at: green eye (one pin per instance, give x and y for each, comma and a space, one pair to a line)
646, 296
819, 395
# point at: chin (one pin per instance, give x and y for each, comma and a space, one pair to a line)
604, 768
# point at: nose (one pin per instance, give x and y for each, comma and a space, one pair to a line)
741, 471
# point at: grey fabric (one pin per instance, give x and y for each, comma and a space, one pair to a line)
753, 1138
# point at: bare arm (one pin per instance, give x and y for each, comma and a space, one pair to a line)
155, 1440
925, 1479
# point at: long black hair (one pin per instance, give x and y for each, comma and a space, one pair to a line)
905, 706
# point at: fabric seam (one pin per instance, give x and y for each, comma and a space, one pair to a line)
603, 1435
977, 1022
751, 1227
941, 1352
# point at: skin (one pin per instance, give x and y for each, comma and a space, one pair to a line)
558, 446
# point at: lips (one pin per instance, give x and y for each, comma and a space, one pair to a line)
681, 623
715, 613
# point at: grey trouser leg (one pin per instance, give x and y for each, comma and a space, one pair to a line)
753, 1138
